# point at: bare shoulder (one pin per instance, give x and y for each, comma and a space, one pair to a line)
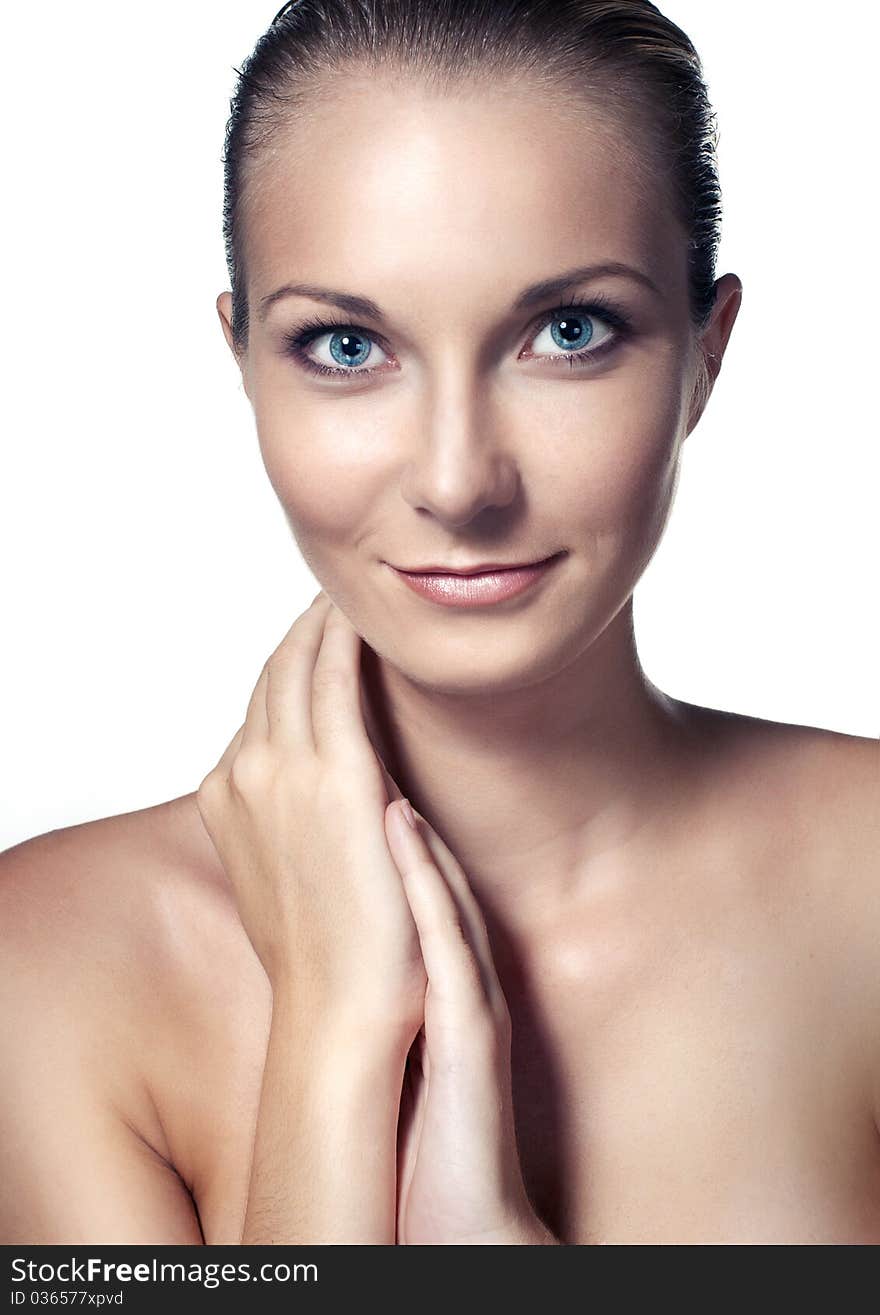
823, 784
110, 932
801, 805
106, 903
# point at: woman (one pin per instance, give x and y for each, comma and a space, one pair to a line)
630, 994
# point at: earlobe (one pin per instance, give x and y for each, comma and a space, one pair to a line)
701, 387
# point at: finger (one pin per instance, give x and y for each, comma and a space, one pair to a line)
220, 772
468, 905
336, 696
289, 682
452, 964
256, 721
409, 1128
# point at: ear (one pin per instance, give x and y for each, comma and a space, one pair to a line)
713, 342
224, 311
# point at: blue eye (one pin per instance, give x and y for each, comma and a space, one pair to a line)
579, 330
348, 346
571, 331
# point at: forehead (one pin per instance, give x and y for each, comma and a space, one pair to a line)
389, 186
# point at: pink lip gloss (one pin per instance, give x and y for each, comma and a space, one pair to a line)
475, 590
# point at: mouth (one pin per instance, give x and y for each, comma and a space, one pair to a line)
475, 586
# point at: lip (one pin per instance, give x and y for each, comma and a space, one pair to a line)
478, 588
481, 569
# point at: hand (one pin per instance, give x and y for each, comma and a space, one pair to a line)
295, 810
459, 1175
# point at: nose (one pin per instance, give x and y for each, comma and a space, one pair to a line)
459, 463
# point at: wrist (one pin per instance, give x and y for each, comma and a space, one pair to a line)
341, 1031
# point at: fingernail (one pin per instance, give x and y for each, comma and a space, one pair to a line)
406, 809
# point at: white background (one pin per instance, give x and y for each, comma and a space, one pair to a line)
147, 567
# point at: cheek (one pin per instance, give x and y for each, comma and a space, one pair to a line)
324, 466
616, 460
606, 470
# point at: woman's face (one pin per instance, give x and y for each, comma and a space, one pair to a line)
458, 429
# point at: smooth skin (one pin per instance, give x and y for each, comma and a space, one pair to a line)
682, 904
295, 809
362, 932
459, 1176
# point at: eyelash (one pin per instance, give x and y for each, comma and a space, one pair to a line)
598, 305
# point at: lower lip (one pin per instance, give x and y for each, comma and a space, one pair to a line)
476, 590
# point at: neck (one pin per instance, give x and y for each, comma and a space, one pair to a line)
535, 790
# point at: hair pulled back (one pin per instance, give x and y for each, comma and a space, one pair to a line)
623, 56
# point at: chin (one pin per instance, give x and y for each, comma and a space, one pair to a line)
461, 667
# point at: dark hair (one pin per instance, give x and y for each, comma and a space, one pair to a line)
643, 66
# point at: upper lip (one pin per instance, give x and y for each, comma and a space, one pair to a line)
477, 569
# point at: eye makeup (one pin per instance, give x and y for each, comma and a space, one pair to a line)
598, 306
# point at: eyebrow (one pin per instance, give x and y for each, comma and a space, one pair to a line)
545, 289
